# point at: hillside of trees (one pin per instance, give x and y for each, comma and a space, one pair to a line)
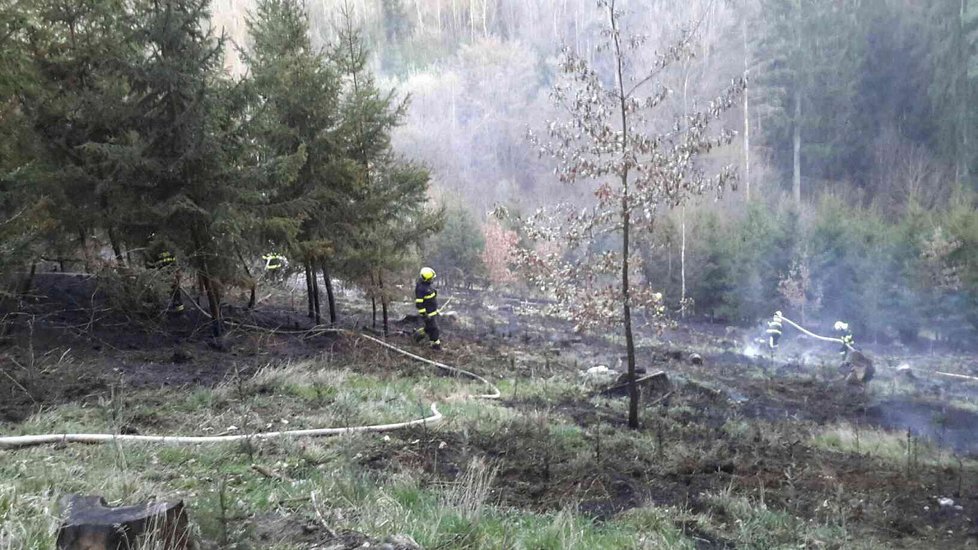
126, 124
123, 137
856, 164
707, 274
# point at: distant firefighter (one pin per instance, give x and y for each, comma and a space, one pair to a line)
774, 331
426, 300
158, 257
845, 335
275, 261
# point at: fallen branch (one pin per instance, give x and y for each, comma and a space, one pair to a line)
661, 398
322, 520
267, 472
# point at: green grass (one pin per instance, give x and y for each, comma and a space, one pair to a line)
336, 481
461, 513
751, 523
887, 446
299, 396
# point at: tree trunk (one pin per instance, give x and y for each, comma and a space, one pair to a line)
964, 98
25, 288
315, 292
328, 283
93, 525
213, 295
373, 301
626, 226
682, 212
383, 301
629, 339
213, 304
116, 247
796, 159
682, 262
373, 309
200, 288
83, 242
746, 114
254, 282
312, 309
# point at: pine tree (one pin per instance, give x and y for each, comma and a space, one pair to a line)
296, 115
178, 156
79, 110
458, 248
23, 210
391, 193
807, 66
954, 58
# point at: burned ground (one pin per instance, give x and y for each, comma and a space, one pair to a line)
790, 437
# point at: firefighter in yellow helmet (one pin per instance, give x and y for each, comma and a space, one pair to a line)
774, 327
274, 262
158, 257
426, 300
845, 335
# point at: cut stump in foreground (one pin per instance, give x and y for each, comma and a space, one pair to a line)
657, 382
94, 525
859, 369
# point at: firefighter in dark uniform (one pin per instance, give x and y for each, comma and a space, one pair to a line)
275, 265
845, 335
774, 327
426, 300
275, 262
159, 258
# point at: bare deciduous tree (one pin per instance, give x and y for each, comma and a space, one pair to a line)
638, 163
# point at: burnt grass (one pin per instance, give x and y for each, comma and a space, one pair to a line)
106, 347
730, 424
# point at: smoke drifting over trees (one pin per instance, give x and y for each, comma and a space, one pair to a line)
854, 148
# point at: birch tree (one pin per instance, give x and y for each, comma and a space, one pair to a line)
612, 139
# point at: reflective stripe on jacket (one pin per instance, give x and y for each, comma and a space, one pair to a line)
425, 298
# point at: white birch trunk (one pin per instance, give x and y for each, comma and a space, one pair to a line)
963, 99
746, 114
682, 213
796, 160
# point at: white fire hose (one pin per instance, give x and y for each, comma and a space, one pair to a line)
839, 341
13, 442
816, 336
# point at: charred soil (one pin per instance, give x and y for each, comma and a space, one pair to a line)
788, 437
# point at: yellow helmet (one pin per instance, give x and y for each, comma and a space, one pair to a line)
427, 274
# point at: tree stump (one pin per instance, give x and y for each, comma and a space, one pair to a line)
657, 382
860, 368
93, 525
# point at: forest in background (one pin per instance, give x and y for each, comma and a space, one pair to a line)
856, 193
856, 197
126, 143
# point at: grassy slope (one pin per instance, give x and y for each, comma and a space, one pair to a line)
526, 473
349, 497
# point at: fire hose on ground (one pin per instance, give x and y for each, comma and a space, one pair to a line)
811, 334
12, 442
